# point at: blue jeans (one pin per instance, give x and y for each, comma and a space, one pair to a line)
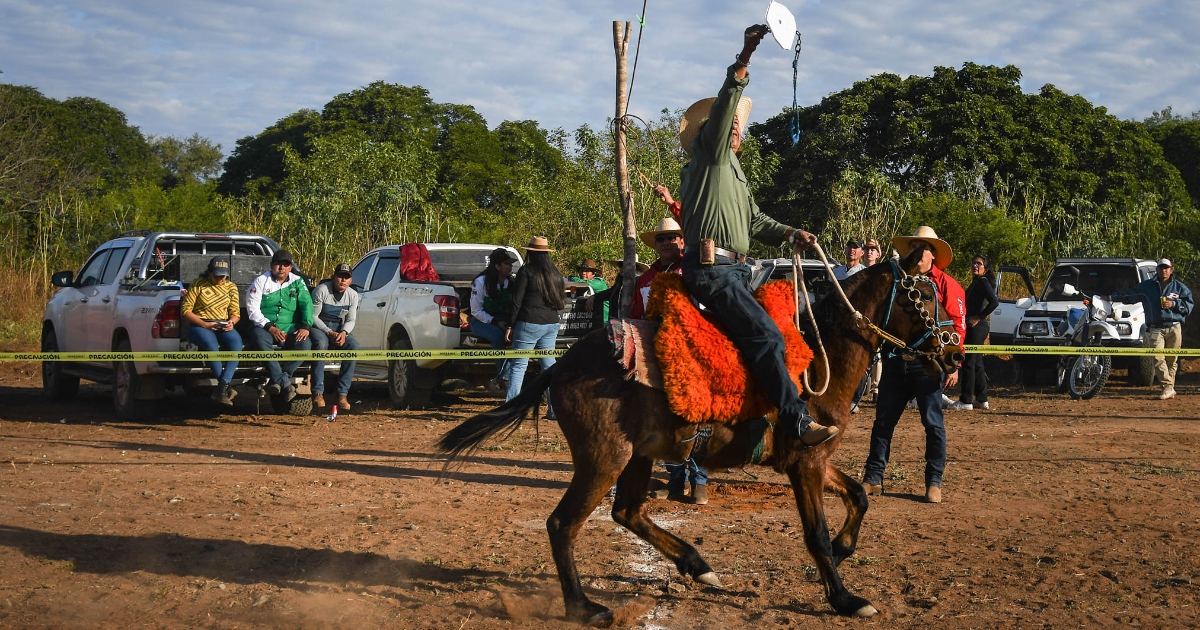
264, 341
679, 473
494, 335
724, 288
321, 341
524, 337
209, 340
902, 381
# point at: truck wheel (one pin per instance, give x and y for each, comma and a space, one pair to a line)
402, 381
55, 383
1141, 371
1027, 371
127, 384
299, 406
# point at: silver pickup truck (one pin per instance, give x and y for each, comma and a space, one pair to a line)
126, 298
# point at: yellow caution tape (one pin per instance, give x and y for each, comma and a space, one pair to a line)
280, 355
465, 355
1094, 350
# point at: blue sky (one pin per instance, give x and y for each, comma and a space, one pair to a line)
230, 69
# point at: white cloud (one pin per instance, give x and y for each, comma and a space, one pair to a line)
229, 69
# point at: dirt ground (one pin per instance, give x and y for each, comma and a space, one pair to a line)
1057, 513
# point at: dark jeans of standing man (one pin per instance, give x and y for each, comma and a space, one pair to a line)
974, 380
724, 288
264, 341
902, 381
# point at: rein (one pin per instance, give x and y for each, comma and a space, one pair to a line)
900, 279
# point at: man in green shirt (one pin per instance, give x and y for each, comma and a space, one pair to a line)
719, 217
586, 273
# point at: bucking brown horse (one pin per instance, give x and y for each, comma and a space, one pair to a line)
618, 428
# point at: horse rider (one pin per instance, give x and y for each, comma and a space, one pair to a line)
719, 217
904, 380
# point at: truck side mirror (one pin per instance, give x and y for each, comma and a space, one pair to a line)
62, 278
1025, 302
1069, 290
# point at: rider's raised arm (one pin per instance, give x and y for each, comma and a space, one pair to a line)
715, 136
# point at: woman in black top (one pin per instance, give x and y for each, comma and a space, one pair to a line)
981, 301
538, 294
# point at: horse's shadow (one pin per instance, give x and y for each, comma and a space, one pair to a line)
383, 470
233, 561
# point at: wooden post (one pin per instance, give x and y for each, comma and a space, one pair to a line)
624, 191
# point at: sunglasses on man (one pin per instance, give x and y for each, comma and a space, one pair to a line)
665, 238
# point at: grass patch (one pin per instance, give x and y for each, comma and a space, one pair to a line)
1148, 468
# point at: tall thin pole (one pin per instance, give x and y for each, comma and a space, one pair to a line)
624, 191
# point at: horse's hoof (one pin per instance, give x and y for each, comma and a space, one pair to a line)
710, 578
591, 614
866, 611
600, 619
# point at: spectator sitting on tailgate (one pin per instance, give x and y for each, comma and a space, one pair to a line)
491, 301
211, 307
586, 273
335, 306
281, 309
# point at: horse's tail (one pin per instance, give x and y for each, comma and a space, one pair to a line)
471, 433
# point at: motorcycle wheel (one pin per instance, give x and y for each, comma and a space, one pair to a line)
1065, 365
1088, 375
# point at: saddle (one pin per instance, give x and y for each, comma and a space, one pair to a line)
702, 373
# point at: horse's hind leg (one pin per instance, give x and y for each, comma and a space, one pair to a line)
589, 484
808, 485
629, 510
855, 500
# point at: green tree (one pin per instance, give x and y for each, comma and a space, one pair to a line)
255, 167
186, 160
1179, 138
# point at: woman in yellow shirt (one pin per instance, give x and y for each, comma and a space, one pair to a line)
211, 307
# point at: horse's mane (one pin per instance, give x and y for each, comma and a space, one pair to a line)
835, 319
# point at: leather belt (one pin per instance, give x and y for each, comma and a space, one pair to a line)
720, 251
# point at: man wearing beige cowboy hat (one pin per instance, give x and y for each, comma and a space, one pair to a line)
905, 380
666, 239
719, 217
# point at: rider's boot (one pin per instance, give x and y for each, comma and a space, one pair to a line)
806, 432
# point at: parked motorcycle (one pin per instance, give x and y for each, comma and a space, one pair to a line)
1083, 375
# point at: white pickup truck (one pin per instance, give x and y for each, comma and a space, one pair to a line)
126, 298
1044, 322
399, 313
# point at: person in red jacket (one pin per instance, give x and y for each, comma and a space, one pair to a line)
904, 380
667, 240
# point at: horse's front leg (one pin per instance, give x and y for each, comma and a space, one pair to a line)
855, 500
629, 510
808, 482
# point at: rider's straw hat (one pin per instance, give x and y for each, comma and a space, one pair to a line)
942, 254
697, 114
666, 225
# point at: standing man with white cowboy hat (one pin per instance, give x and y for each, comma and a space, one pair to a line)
719, 217
904, 380
666, 239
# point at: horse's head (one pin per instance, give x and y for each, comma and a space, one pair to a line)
910, 320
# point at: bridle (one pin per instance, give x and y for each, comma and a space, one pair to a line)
933, 325
901, 279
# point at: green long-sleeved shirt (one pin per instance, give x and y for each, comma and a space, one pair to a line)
716, 202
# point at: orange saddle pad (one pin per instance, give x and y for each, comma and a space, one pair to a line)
705, 377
